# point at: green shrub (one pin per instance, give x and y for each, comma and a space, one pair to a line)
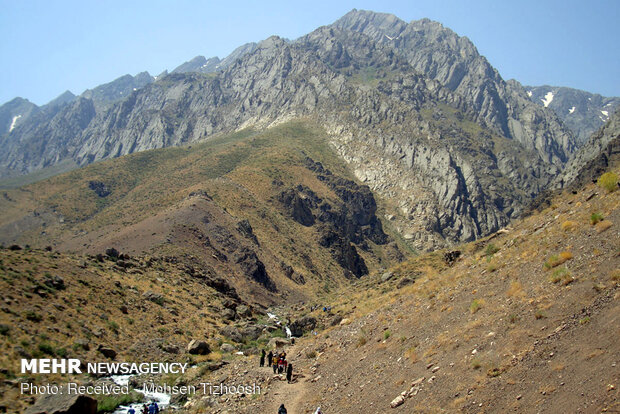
609, 181
46, 348
33, 316
475, 306
387, 334
490, 250
595, 218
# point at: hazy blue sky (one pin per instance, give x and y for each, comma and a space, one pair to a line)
49, 46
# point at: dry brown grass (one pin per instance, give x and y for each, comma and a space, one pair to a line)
515, 290
569, 225
412, 355
557, 260
603, 225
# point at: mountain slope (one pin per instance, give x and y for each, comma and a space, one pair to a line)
598, 154
506, 326
14, 113
439, 157
454, 61
276, 212
583, 112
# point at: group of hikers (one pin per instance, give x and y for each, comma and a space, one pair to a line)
151, 408
278, 362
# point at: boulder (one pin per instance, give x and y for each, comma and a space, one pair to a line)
55, 282
300, 326
196, 347
107, 351
227, 348
251, 332
244, 311
229, 314
387, 276
405, 281
154, 297
64, 404
277, 343
170, 349
336, 320
232, 333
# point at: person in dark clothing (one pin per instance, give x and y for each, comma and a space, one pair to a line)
270, 358
262, 358
289, 373
282, 409
145, 409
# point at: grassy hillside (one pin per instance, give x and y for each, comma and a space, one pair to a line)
140, 204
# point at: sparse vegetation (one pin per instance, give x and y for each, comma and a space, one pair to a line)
603, 225
569, 225
475, 306
609, 181
386, 334
557, 260
595, 218
490, 250
563, 275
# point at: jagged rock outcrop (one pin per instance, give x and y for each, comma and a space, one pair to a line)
340, 224
583, 112
600, 152
15, 112
198, 64
454, 61
118, 89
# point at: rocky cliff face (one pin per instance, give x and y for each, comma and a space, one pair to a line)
583, 112
14, 113
117, 89
456, 151
454, 61
600, 152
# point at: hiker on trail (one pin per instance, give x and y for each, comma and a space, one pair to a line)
289, 373
269, 358
282, 409
131, 411
318, 411
156, 407
262, 358
145, 409
274, 363
151, 408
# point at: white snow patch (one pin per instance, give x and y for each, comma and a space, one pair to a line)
605, 113
529, 93
15, 118
601, 118
570, 111
548, 98
135, 89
